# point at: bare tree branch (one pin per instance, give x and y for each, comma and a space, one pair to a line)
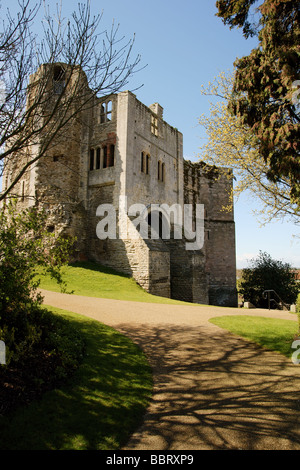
94, 62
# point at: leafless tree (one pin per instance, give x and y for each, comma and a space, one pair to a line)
96, 63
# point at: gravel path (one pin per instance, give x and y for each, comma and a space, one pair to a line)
212, 390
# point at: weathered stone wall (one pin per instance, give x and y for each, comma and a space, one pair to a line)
212, 187
148, 262
160, 142
22, 190
220, 264
187, 273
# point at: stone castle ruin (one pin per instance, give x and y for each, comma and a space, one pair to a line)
118, 147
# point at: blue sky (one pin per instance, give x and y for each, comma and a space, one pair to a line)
184, 45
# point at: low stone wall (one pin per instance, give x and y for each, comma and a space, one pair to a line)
148, 262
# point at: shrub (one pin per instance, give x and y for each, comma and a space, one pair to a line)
268, 274
25, 244
50, 359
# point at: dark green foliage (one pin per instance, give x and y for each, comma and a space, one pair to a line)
265, 273
41, 349
97, 408
236, 13
45, 361
24, 245
264, 93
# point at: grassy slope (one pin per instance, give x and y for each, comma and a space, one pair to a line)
93, 280
97, 409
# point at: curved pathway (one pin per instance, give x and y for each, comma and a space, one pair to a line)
212, 390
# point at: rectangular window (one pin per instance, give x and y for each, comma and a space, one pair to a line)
112, 155
98, 159
105, 112
105, 156
91, 159
142, 162
154, 125
102, 113
58, 80
108, 111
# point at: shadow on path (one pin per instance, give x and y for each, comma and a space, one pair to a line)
213, 390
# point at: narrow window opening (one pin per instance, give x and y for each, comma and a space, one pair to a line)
163, 172
142, 162
147, 164
105, 112
108, 111
91, 159
58, 79
112, 155
58, 73
102, 113
98, 159
154, 125
105, 156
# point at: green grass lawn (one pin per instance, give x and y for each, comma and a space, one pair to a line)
274, 334
97, 409
93, 280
